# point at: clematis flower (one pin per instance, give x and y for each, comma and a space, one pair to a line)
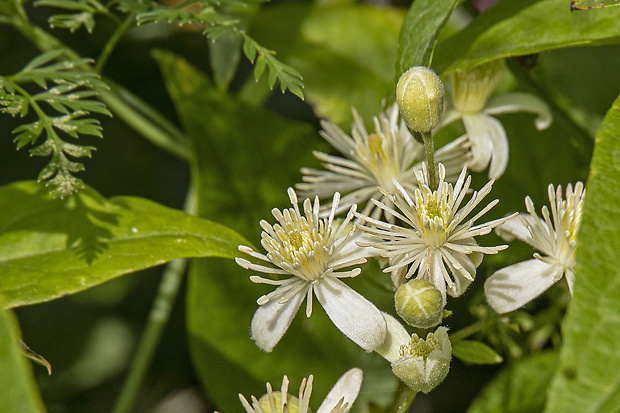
309, 254
439, 243
339, 399
374, 160
422, 364
554, 235
470, 97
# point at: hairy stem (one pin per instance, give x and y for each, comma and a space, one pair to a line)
402, 399
429, 147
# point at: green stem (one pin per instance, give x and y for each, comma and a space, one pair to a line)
429, 147
402, 399
469, 330
158, 318
112, 42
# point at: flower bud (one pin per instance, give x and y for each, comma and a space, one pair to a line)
423, 364
420, 94
265, 401
419, 303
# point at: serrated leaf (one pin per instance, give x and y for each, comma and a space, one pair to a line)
419, 32
30, 132
588, 374
475, 352
43, 59
515, 28
50, 248
519, 388
19, 392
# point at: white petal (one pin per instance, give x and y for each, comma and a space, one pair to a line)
347, 387
518, 284
488, 144
272, 319
521, 102
396, 336
353, 314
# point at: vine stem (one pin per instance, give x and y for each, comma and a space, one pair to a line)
429, 147
402, 399
158, 318
113, 41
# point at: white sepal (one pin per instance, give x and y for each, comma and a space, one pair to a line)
489, 144
518, 284
521, 102
272, 319
353, 314
346, 389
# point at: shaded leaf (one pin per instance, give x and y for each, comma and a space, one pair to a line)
519, 388
50, 248
588, 374
19, 392
475, 352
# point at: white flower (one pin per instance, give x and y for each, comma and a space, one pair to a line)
439, 245
374, 160
312, 251
470, 93
421, 364
338, 400
554, 235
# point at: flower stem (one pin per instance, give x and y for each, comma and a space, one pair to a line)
158, 317
402, 399
429, 146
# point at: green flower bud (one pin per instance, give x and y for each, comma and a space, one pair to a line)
423, 364
291, 401
419, 303
420, 94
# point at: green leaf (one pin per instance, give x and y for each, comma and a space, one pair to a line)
515, 28
588, 374
419, 32
240, 190
475, 352
518, 388
224, 54
50, 248
19, 392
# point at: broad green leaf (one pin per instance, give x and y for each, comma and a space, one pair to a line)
419, 32
515, 28
19, 392
475, 352
588, 375
50, 248
518, 388
246, 158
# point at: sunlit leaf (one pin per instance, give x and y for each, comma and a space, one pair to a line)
588, 374
515, 28
50, 248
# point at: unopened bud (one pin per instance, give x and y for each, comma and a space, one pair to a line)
424, 364
419, 303
420, 95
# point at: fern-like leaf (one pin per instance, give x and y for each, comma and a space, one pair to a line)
84, 16
62, 108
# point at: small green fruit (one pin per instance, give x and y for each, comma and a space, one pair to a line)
420, 94
419, 303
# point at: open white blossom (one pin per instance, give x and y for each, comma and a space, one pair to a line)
470, 92
439, 244
554, 235
339, 399
374, 160
310, 253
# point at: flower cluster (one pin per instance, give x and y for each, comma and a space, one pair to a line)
419, 217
